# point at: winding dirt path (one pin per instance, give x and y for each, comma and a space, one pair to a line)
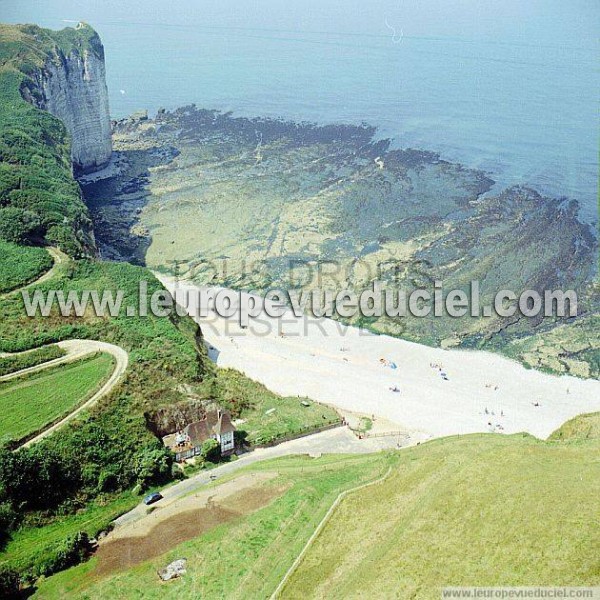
77, 349
58, 256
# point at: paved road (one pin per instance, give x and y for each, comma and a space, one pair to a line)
334, 441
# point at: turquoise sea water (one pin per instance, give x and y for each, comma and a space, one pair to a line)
507, 86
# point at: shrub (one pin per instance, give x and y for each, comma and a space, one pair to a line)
153, 465
211, 450
108, 481
10, 583
8, 519
71, 552
17, 224
10, 364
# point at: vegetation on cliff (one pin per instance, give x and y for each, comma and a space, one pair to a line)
91, 461
38, 197
20, 265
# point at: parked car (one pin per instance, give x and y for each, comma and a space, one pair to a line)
152, 498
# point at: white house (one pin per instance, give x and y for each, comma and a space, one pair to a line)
216, 425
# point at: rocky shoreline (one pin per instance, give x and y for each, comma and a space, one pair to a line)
196, 187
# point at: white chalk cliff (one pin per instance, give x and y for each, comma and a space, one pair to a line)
72, 87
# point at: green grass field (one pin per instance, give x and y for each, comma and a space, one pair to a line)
31, 546
20, 265
463, 512
11, 364
583, 428
268, 416
29, 403
471, 510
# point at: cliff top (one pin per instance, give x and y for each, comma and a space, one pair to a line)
26, 47
36, 182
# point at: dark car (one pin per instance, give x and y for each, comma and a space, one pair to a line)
152, 498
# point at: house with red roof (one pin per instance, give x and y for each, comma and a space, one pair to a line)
216, 425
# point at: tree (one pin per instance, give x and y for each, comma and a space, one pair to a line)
8, 518
211, 450
10, 583
17, 224
152, 465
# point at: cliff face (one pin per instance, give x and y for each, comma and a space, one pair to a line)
63, 73
71, 86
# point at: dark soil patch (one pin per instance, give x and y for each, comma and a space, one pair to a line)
125, 553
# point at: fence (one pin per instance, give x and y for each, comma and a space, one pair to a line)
299, 434
370, 434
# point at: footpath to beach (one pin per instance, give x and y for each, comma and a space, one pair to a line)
441, 392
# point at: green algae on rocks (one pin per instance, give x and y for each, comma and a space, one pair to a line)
261, 203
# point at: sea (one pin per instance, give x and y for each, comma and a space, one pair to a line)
507, 86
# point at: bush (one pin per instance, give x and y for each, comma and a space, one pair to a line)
211, 450
8, 516
10, 364
153, 465
21, 264
38, 477
71, 552
10, 583
17, 224
108, 481
62, 237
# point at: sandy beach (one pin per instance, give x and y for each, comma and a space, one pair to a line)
440, 392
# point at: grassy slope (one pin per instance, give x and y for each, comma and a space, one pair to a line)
261, 423
19, 265
246, 558
583, 428
10, 364
165, 354
35, 170
29, 403
475, 510
464, 512
29, 545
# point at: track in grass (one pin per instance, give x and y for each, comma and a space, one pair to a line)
28, 404
19, 265
471, 510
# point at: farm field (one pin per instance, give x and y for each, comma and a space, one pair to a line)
29, 403
417, 531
